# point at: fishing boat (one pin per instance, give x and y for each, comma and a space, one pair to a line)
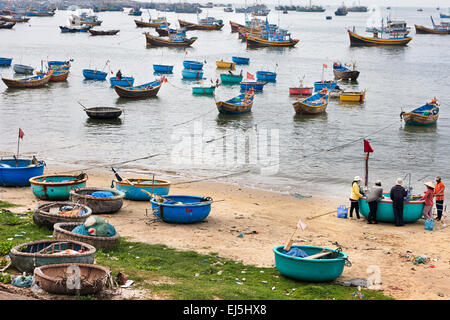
241, 104
225, 65
165, 31
103, 32
272, 41
344, 73
352, 96
193, 65
57, 75
159, 68
257, 86
425, 115
444, 16
320, 264
59, 65
172, 41
56, 187
133, 188
330, 84
192, 74
103, 112
31, 82
20, 68
412, 210
65, 29
235, 26
204, 24
135, 12
145, 90
90, 74
122, 82
425, 30
204, 91
229, 78
40, 13
17, 173
152, 23
393, 40
341, 11
266, 76
16, 19
301, 90
182, 208
240, 60
310, 8
7, 25
5, 62
315, 104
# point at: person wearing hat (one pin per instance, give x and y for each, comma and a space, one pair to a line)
354, 197
398, 194
428, 197
375, 195
439, 190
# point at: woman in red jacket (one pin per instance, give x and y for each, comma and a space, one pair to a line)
428, 197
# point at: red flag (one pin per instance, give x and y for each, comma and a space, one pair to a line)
325, 66
250, 76
367, 147
186, 52
21, 134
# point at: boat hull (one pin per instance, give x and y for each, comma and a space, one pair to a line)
124, 82
259, 42
184, 214
306, 107
257, 86
346, 75
143, 24
230, 79
153, 41
356, 39
94, 74
240, 60
419, 120
352, 97
305, 91
98, 205
266, 76
162, 68
425, 30
322, 85
24, 84
205, 91
19, 175
55, 187
134, 191
194, 26
193, 65
229, 108
103, 33
192, 74
5, 62
412, 211
225, 65
20, 68
103, 112
125, 92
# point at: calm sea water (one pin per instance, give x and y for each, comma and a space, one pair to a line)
178, 124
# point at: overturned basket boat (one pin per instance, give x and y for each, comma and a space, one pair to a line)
98, 205
44, 215
27, 256
56, 278
56, 187
63, 231
133, 188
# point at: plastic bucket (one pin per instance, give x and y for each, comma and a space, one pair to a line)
342, 212
429, 225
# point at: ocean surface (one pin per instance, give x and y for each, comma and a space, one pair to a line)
269, 148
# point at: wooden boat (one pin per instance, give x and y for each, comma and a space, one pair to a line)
57, 76
103, 33
227, 78
27, 256
356, 39
98, 205
330, 84
145, 90
154, 24
165, 31
255, 41
425, 115
159, 68
341, 72
56, 187
17, 173
39, 13
65, 29
204, 91
192, 74
266, 76
182, 209
195, 26
193, 65
122, 82
238, 105
135, 12
352, 96
55, 279
59, 65
255, 85
14, 19
235, 26
174, 41
103, 112
47, 214
225, 65
5, 62
315, 104
412, 210
240, 60
325, 268
90, 74
91, 23
63, 231
32, 82
424, 30
7, 25
21, 68
133, 188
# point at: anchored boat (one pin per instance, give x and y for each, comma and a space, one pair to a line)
145, 90
425, 115
393, 40
352, 96
344, 73
237, 105
315, 104
17, 173
32, 82
90, 74
172, 41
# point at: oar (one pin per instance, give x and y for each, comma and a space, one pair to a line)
300, 225
81, 105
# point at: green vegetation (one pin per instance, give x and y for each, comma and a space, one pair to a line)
176, 274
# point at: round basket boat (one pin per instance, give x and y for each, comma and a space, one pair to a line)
133, 190
326, 268
44, 217
184, 209
103, 112
412, 210
27, 256
54, 278
18, 173
56, 187
98, 205
63, 230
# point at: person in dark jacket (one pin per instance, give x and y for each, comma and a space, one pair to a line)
375, 195
119, 75
398, 194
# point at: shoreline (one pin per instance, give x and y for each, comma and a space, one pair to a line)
267, 219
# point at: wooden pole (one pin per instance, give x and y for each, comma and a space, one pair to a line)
18, 144
367, 170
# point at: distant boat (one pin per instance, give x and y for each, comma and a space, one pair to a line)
315, 104
16, 19
20, 68
159, 68
425, 115
204, 91
301, 90
155, 23
255, 85
122, 82
356, 39
174, 41
341, 72
283, 41
328, 17
94, 74
237, 105
240, 60
103, 33
230, 78
32, 82
192, 74
65, 29
203, 25
7, 25
225, 65
352, 96
443, 28
320, 85
341, 11
266, 76
5, 62
420, 9
145, 90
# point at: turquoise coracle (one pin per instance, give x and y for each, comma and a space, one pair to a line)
56, 187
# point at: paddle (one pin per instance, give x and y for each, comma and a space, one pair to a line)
300, 225
81, 105
119, 178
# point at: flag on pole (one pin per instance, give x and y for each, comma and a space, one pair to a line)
367, 146
325, 66
301, 225
21, 134
186, 52
250, 76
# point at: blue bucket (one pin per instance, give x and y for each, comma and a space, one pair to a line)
342, 212
429, 225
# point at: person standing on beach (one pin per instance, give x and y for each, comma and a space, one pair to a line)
398, 194
439, 190
354, 197
375, 195
428, 197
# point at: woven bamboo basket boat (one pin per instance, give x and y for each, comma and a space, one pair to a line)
63, 231
44, 218
98, 205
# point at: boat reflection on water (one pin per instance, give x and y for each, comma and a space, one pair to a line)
318, 117
103, 122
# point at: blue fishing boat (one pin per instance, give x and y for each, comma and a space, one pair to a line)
425, 115
123, 82
90, 74
255, 85
229, 78
182, 209
266, 76
193, 65
18, 173
65, 29
59, 65
238, 105
5, 62
319, 85
133, 188
192, 74
20, 68
159, 68
240, 60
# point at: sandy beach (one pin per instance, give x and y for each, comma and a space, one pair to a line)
267, 219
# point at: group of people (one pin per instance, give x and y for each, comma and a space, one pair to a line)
399, 195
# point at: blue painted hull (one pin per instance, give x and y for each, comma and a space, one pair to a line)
182, 213
193, 65
124, 82
162, 68
266, 76
257, 86
19, 176
240, 60
5, 62
321, 85
192, 74
94, 75
134, 192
